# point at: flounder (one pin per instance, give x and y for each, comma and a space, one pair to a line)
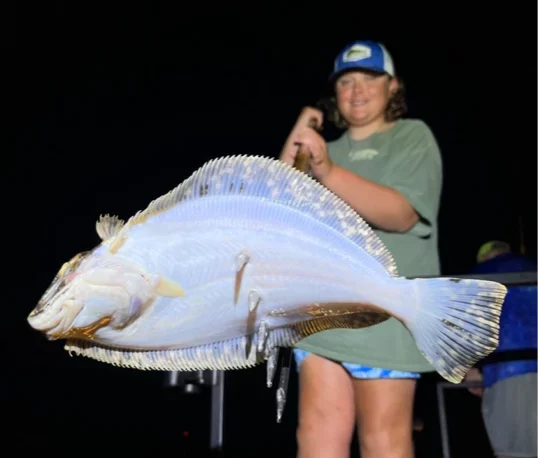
246, 256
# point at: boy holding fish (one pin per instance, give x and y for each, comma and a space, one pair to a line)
389, 170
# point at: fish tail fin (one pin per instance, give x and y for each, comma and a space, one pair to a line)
455, 322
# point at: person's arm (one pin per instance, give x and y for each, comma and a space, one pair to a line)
380, 205
407, 196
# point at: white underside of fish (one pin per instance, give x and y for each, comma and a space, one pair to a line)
288, 278
287, 273
305, 257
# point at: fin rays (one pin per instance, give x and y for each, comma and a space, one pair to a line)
227, 355
268, 178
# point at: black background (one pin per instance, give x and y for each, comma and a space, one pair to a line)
116, 105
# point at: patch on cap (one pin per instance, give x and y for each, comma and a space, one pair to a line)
357, 52
488, 247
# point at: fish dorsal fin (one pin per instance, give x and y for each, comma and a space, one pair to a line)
269, 178
108, 226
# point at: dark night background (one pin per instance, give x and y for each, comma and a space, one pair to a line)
116, 105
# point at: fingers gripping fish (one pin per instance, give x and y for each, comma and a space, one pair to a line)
246, 256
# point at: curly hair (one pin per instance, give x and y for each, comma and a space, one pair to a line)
396, 108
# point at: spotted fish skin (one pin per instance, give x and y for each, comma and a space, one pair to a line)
245, 256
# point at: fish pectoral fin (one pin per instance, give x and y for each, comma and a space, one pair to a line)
240, 264
168, 288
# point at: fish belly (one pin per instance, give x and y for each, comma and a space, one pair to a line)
298, 268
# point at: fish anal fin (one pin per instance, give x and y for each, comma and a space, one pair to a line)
224, 355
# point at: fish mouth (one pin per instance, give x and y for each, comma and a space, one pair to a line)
57, 322
55, 308
47, 299
47, 314
55, 318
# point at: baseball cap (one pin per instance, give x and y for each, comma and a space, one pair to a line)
363, 55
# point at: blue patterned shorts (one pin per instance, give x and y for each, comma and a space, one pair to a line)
360, 371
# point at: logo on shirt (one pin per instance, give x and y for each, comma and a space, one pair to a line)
362, 154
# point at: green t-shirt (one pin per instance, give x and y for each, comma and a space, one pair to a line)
405, 157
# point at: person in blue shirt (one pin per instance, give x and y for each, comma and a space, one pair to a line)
509, 386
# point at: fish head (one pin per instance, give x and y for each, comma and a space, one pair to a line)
92, 290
